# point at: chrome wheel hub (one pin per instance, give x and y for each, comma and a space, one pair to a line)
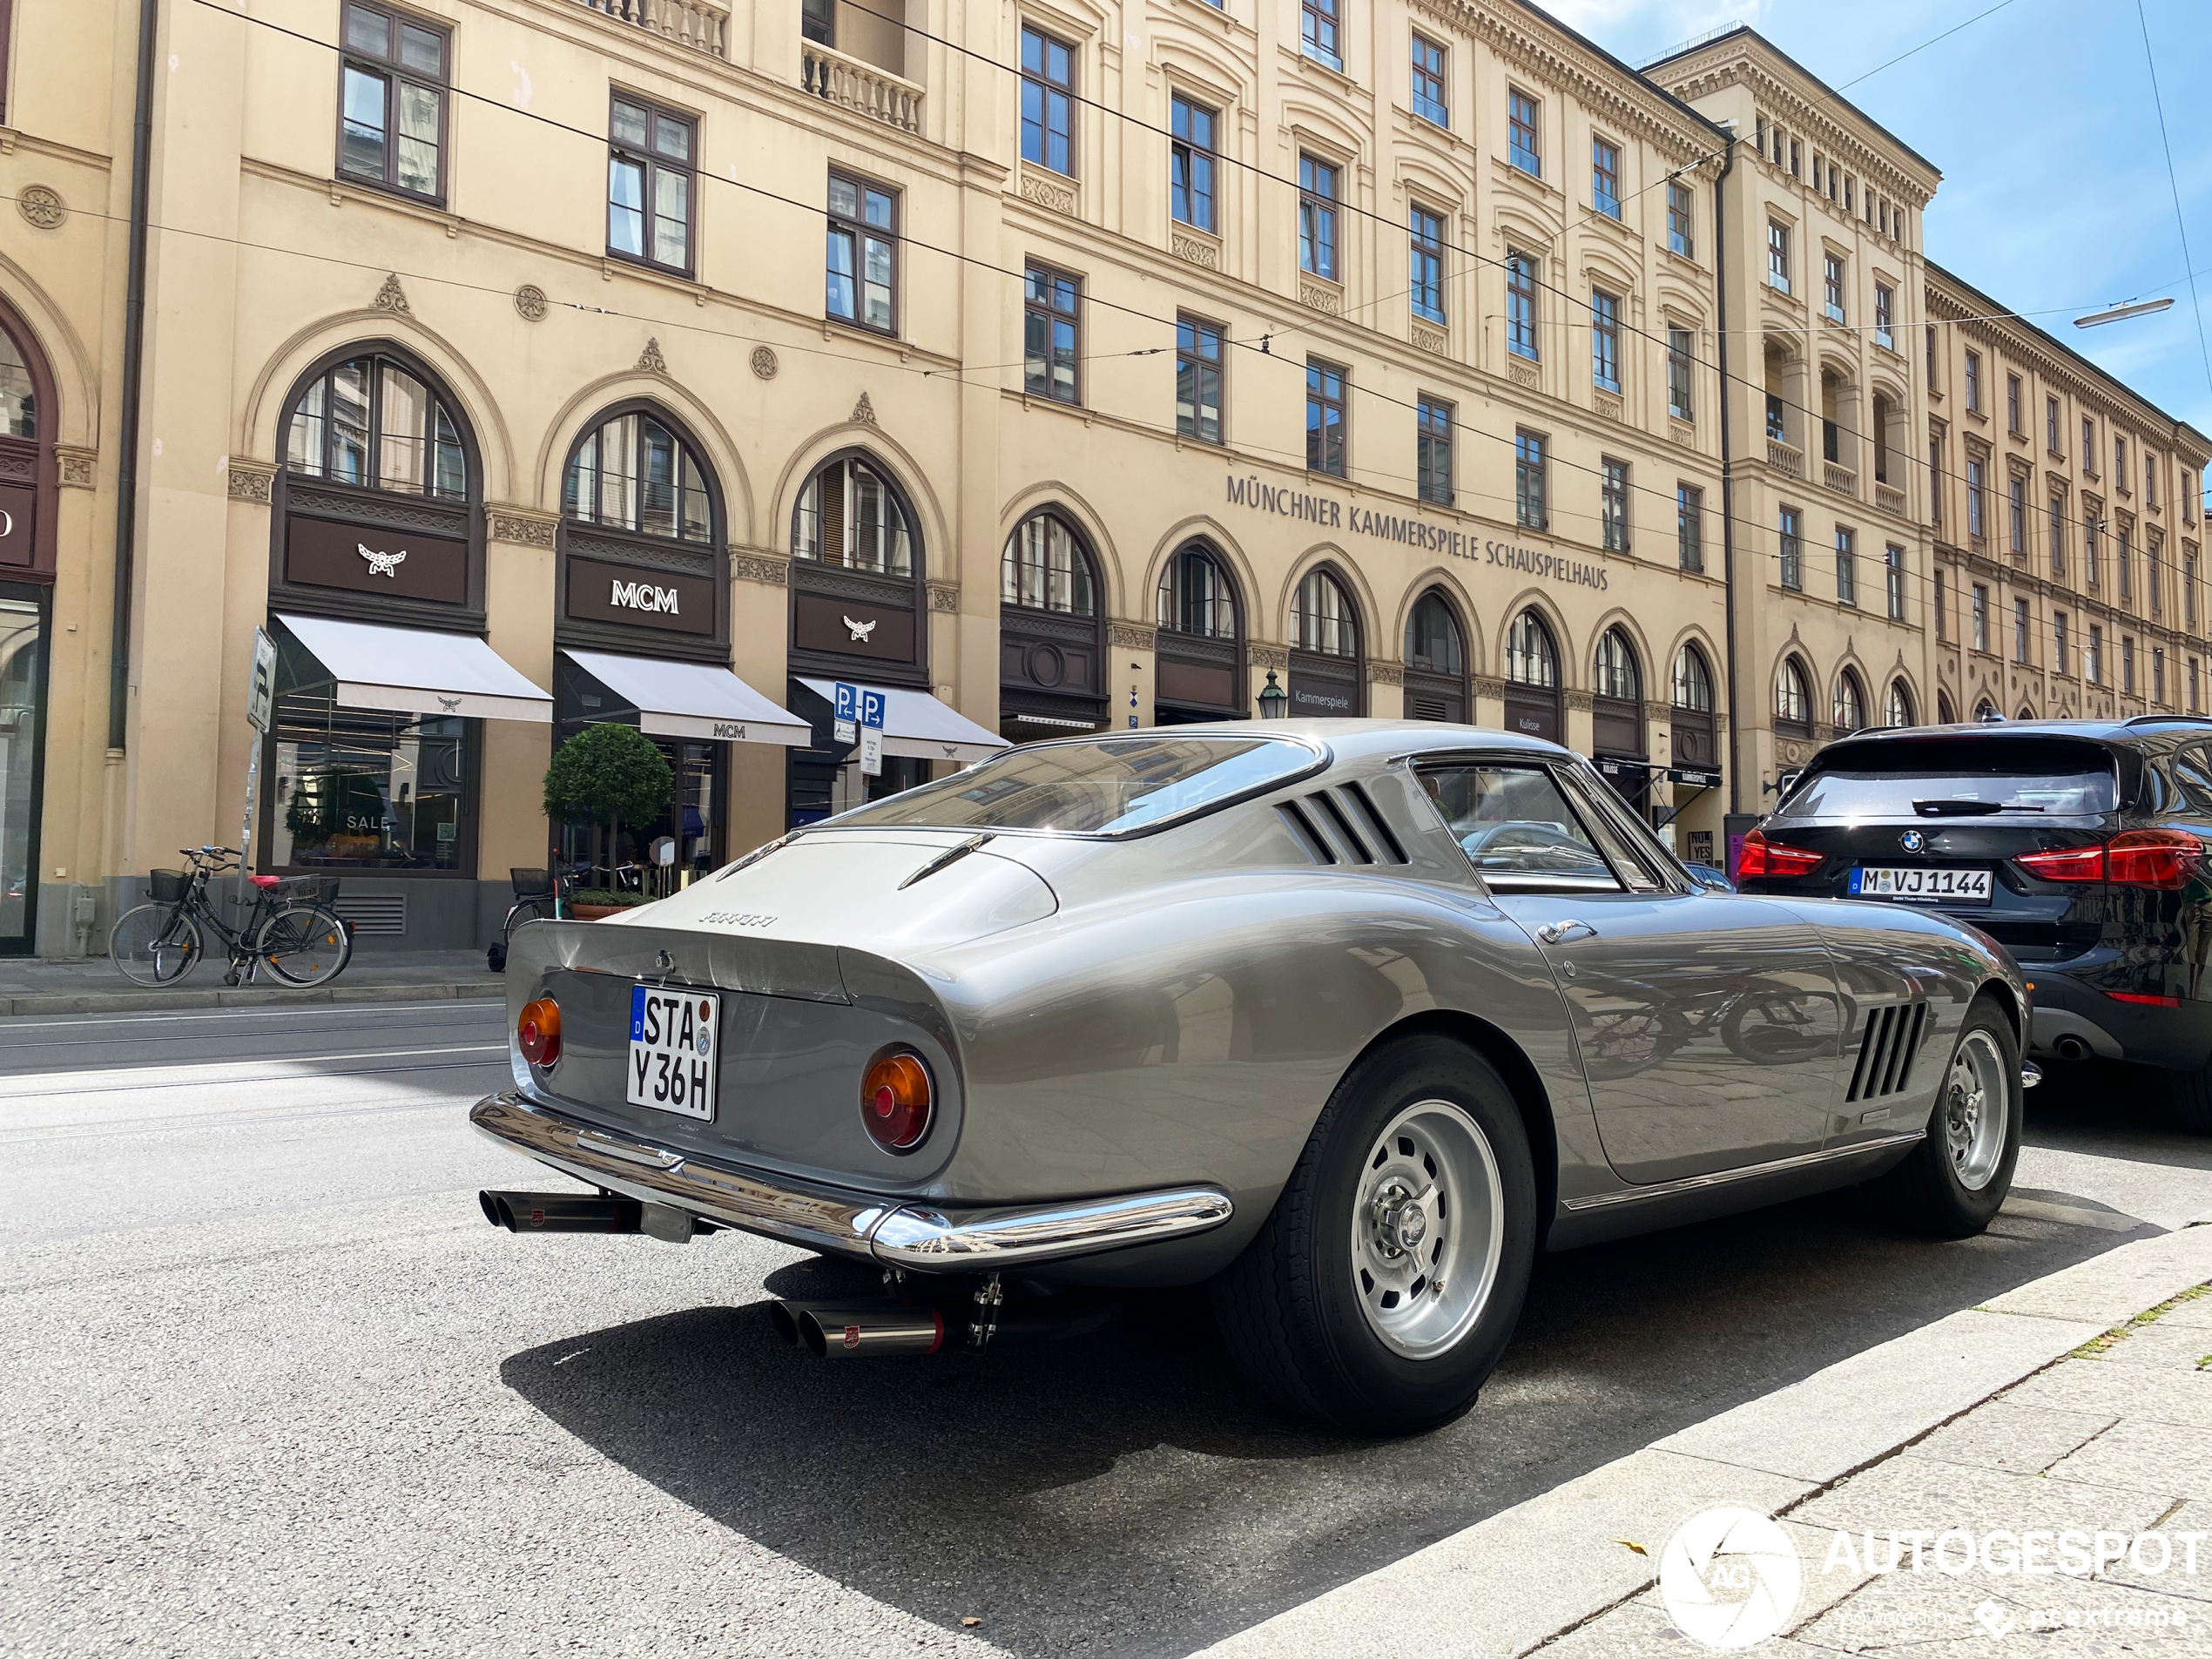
1427, 1229
1976, 1111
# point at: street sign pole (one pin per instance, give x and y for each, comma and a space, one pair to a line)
261, 706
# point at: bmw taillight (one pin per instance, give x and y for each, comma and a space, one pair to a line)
1762, 857
537, 1031
895, 1101
2165, 860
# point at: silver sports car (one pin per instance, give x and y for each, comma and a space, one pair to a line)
1350, 1018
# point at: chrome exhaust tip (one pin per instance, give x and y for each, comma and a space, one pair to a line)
840, 1330
561, 1212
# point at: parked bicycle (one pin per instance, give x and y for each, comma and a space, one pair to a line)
289, 928
537, 894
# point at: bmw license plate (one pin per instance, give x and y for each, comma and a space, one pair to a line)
1921, 885
673, 1034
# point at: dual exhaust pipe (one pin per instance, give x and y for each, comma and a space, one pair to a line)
587, 1212
842, 1331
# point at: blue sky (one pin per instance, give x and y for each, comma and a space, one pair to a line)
2054, 194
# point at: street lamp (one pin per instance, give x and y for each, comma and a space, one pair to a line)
2119, 314
1274, 701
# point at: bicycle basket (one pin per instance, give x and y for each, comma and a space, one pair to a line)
168, 886
531, 884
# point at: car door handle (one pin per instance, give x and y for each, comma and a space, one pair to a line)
1558, 933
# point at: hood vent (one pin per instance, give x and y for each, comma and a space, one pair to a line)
1886, 1052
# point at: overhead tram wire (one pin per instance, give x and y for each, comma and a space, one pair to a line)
2197, 307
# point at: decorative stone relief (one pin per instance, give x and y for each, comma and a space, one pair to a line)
1386, 673
1431, 340
1580, 702
42, 206
1129, 636
650, 360
529, 302
864, 411
76, 466
1268, 656
1057, 199
1685, 436
1319, 298
944, 596
769, 571
250, 480
521, 527
1198, 251
1607, 406
763, 362
1493, 688
1793, 753
392, 297
1524, 373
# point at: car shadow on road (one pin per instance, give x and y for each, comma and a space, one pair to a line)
1123, 1493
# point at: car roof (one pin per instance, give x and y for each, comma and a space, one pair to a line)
1370, 740
2131, 730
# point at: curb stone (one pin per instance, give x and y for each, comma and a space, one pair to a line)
240, 997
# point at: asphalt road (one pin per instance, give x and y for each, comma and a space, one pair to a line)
274, 1386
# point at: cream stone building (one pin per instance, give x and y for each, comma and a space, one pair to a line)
1046, 366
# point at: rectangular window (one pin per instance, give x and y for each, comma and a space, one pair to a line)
1325, 421
1791, 548
391, 127
1981, 617
1681, 222
1528, 509
1198, 379
2193, 687
1051, 320
1605, 178
2154, 571
863, 253
1048, 97
1942, 607
2150, 481
1426, 272
1522, 136
2092, 552
1797, 169
1846, 567
1317, 33
2119, 464
1690, 526
1893, 581
2058, 538
2158, 674
2051, 424
1191, 162
1520, 305
1937, 482
2093, 660
2014, 419
1433, 461
2123, 562
1778, 426
649, 185
1777, 256
1605, 340
2058, 643
1886, 316
1973, 381
2088, 446
1832, 286
1613, 503
2021, 624
2016, 507
1973, 496
1932, 360
1679, 402
1431, 102
1316, 218
2127, 664
2189, 590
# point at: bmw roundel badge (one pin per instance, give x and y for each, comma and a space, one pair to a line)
1912, 841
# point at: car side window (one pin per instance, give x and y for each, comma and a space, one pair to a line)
1517, 828
1637, 867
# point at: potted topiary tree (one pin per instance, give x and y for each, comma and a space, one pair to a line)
610, 775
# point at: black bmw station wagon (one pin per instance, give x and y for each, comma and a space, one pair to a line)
2079, 846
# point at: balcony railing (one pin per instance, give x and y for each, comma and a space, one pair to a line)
861, 87
1785, 458
1889, 498
1841, 480
702, 28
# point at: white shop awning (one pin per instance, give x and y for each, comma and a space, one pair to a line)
916, 723
414, 671
693, 700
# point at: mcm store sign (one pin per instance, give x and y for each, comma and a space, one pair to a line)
674, 600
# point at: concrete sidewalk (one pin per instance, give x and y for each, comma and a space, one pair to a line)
2076, 1410
94, 986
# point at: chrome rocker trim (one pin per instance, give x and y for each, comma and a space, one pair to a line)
1748, 1173
923, 1237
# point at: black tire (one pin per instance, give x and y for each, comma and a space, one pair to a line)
155, 944
495, 958
1950, 1187
304, 944
2191, 1095
1294, 1308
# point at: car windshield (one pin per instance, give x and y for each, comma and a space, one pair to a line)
1956, 778
1093, 786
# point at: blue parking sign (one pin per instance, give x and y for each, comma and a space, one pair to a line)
872, 709
848, 701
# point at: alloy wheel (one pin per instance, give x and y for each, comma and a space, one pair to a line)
1427, 1229
1977, 1110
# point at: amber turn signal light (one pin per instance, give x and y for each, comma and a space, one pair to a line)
895, 1101
537, 1031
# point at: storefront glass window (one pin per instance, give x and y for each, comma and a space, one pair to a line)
22, 678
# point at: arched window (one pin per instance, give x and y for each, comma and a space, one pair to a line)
1531, 658
1045, 569
1945, 714
1696, 735
1693, 682
1617, 675
1436, 661
1793, 698
1900, 708
18, 396
1851, 702
849, 515
632, 473
1196, 597
1322, 619
372, 421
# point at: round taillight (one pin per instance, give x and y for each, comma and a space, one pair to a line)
537, 1031
895, 1101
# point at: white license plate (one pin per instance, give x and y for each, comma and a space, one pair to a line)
674, 1040
1922, 886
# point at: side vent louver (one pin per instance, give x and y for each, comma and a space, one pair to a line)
1359, 797
1886, 1053
1342, 827
1348, 838
1303, 833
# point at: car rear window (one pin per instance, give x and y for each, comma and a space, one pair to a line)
1093, 786
1953, 777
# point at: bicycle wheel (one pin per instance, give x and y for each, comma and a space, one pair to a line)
304, 944
155, 944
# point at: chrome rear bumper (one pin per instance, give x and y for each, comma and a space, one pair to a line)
924, 1237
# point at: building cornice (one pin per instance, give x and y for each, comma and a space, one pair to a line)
1894, 171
